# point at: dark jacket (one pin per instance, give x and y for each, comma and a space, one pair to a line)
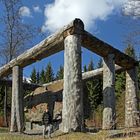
46, 118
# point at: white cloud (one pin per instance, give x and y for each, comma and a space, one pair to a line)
61, 12
132, 8
25, 11
36, 9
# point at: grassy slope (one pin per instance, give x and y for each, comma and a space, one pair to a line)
5, 135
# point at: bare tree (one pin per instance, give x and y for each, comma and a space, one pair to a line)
14, 36
131, 10
15, 33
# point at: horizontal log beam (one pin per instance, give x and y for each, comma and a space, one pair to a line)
45, 48
54, 44
55, 88
85, 76
103, 49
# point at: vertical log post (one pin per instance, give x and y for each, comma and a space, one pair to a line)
72, 112
131, 99
109, 114
17, 112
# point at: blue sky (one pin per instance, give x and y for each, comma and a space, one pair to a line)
103, 19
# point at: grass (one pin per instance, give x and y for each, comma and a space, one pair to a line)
5, 135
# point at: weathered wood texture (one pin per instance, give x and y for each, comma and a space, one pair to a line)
54, 44
17, 113
103, 49
45, 48
132, 118
109, 113
72, 112
56, 87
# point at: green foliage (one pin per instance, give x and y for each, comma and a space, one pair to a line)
38, 77
60, 73
49, 73
130, 50
100, 63
90, 65
120, 83
33, 76
85, 68
92, 93
42, 78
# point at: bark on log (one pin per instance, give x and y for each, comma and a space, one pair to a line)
132, 118
103, 49
17, 113
54, 44
72, 112
45, 48
109, 113
43, 97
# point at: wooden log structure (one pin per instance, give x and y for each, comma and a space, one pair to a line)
69, 34
132, 118
17, 113
103, 49
45, 48
45, 96
109, 113
72, 111
55, 43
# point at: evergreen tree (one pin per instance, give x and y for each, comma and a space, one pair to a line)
38, 77
42, 78
85, 68
60, 73
33, 76
130, 51
49, 73
94, 90
100, 63
90, 66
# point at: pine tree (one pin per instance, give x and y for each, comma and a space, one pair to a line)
85, 68
42, 78
90, 66
33, 76
94, 90
60, 73
38, 77
100, 63
49, 73
130, 51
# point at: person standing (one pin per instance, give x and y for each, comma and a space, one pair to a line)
47, 122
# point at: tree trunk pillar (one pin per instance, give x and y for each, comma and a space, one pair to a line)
109, 113
72, 112
131, 99
17, 111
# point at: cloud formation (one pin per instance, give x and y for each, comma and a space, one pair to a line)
36, 9
25, 11
61, 12
132, 8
